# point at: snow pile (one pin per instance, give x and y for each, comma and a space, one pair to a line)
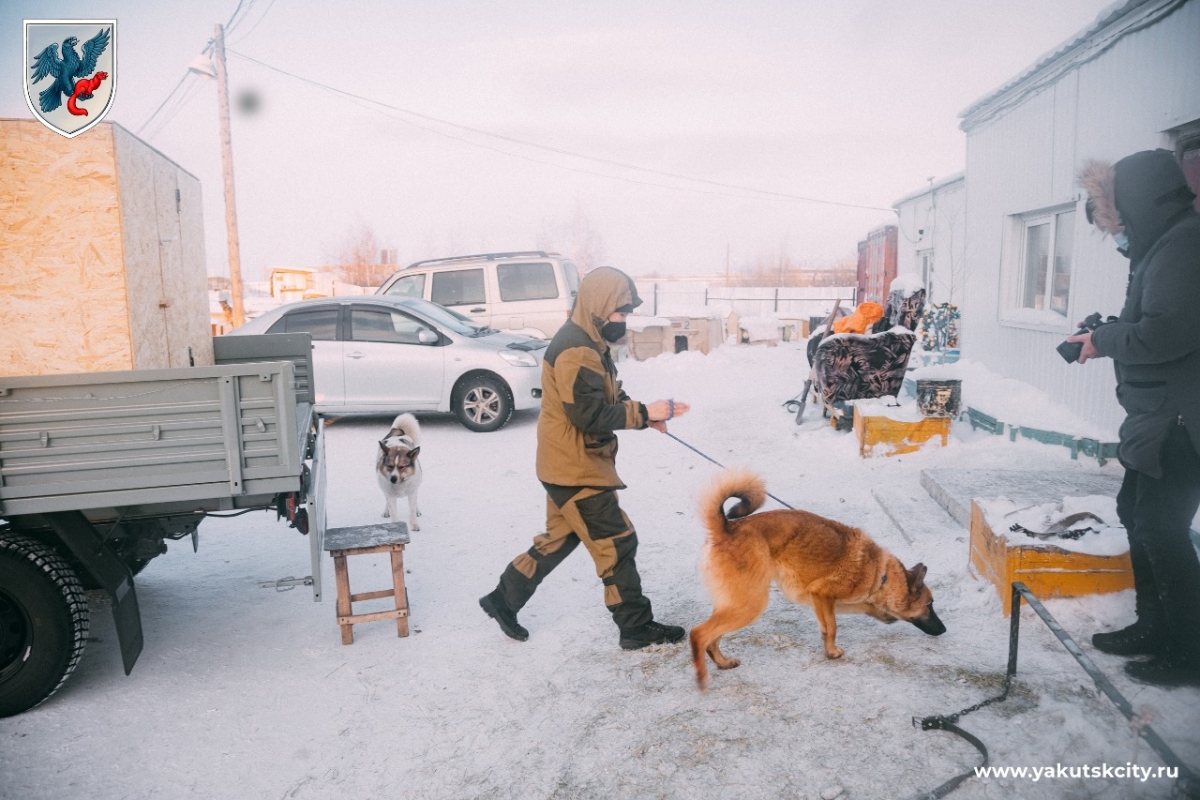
1078, 524
890, 407
1012, 401
759, 329
270, 704
907, 284
637, 322
692, 311
1041, 318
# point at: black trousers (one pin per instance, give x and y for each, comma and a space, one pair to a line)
593, 517
1157, 514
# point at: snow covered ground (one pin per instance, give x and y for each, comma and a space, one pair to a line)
248, 693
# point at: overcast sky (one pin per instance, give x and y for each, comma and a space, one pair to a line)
854, 102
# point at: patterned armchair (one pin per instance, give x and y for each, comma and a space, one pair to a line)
850, 366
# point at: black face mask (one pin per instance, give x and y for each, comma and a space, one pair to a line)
613, 331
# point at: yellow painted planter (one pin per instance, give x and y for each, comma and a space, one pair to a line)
881, 436
1047, 571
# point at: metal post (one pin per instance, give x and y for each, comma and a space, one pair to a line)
231, 230
1014, 630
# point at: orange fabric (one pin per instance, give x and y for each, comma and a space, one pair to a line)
866, 315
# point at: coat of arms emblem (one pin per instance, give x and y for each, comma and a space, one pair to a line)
70, 72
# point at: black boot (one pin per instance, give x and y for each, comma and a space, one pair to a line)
650, 633
1171, 668
1139, 639
495, 607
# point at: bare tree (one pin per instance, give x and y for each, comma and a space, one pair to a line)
574, 237
357, 258
786, 270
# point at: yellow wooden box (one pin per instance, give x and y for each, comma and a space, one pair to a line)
892, 437
1047, 571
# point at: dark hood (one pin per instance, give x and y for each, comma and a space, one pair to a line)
1150, 193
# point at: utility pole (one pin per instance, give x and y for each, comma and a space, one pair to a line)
727, 265
231, 229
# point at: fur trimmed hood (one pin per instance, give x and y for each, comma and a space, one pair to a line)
1098, 178
1143, 195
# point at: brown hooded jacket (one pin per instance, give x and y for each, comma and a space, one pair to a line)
582, 400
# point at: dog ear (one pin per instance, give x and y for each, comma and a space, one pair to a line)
916, 577
412, 454
383, 445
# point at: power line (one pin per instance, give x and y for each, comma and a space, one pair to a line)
258, 22
372, 106
163, 103
207, 47
559, 151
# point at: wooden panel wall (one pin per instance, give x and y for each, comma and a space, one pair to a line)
193, 283
163, 234
136, 175
62, 285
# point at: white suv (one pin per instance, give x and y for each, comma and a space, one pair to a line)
529, 292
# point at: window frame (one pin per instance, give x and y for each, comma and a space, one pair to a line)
423, 277
483, 284
285, 318
1014, 268
372, 309
925, 262
1185, 139
503, 266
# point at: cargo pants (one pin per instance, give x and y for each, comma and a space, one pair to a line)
592, 516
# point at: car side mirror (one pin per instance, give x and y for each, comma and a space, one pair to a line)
426, 336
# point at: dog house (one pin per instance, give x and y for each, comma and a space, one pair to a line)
760, 330
652, 336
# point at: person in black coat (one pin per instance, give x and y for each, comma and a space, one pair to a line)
1145, 204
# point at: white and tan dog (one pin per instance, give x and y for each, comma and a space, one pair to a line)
397, 468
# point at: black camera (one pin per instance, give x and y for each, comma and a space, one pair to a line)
1070, 350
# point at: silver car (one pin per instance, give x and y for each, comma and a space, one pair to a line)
382, 354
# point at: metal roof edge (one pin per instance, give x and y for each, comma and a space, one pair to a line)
957, 177
1067, 52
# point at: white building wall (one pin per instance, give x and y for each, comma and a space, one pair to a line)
935, 221
1126, 98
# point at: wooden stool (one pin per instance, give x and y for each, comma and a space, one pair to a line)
361, 540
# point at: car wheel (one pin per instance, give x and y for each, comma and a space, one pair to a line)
43, 622
483, 404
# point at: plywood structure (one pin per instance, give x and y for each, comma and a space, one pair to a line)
103, 265
1048, 571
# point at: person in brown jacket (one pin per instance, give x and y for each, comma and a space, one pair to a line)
583, 406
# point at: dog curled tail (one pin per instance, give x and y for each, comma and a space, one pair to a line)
743, 484
406, 425
729, 613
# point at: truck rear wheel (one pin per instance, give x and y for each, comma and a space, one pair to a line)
43, 622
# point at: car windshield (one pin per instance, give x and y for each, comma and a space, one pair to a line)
443, 316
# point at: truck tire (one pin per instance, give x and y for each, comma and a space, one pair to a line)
43, 622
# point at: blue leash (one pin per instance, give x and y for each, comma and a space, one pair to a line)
722, 466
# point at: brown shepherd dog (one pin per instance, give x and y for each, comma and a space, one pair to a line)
814, 560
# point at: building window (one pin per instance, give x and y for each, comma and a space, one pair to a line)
1187, 150
925, 262
1046, 261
